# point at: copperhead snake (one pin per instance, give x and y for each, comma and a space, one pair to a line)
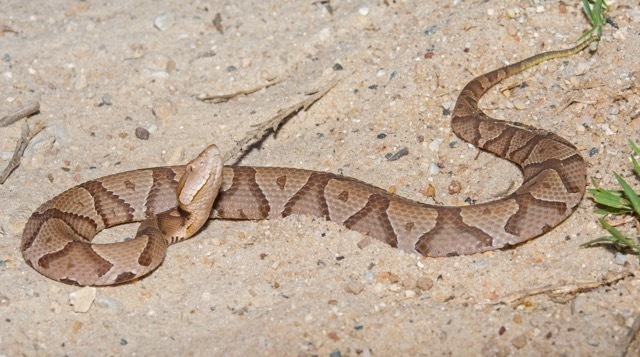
57, 237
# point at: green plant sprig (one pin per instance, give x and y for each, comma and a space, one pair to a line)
617, 202
595, 11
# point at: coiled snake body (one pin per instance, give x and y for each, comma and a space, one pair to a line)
57, 238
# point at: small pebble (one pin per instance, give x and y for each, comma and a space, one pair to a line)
163, 109
607, 129
354, 287
206, 296
428, 191
620, 259
455, 187
619, 35
4, 300
142, 133
447, 105
43, 142
164, 21
160, 75
82, 50
82, 299
582, 68
105, 100
520, 105
324, 34
14, 225
519, 341
409, 283
112, 305
6, 58
434, 169
80, 82
400, 153
308, 318
337, 67
76, 8
430, 30
424, 283
217, 23
435, 145
175, 156
395, 288
579, 303
364, 11
158, 62
369, 275
364, 242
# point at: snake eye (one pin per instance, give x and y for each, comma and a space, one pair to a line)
190, 168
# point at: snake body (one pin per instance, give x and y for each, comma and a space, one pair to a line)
57, 237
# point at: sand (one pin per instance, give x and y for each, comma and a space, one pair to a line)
302, 286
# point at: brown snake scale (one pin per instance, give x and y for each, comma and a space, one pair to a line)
57, 238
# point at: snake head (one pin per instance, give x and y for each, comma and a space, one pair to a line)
199, 186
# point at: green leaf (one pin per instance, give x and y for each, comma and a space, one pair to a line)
636, 149
610, 198
611, 229
596, 15
613, 211
608, 239
587, 9
628, 191
618, 237
635, 165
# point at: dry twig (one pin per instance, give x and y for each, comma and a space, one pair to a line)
22, 144
571, 100
221, 98
632, 343
561, 290
260, 130
25, 112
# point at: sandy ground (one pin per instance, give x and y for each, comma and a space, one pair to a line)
300, 286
